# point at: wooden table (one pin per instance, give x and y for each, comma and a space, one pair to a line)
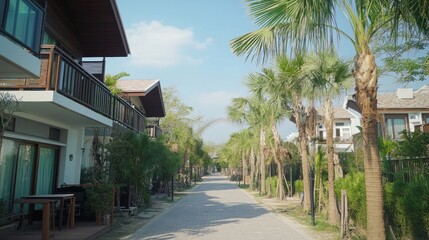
47, 205
62, 198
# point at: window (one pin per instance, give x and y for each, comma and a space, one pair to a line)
23, 21
2, 7
395, 124
425, 117
54, 134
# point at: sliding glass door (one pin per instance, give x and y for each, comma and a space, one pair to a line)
25, 169
7, 176
46, 169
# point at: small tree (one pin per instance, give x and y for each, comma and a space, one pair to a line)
9, 105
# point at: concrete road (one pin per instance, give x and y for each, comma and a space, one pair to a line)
218, 209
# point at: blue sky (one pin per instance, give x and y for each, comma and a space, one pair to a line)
185, 44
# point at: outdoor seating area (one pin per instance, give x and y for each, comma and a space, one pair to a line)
82, 231
52, 216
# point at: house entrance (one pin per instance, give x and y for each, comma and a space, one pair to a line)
25, 169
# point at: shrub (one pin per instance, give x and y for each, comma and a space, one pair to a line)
271, 183
407, 208
354, 184
298, 186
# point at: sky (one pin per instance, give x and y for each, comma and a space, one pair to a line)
185, 44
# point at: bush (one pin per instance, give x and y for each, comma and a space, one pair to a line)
407, 208
271, 183
99, 198
298, 186
354, 184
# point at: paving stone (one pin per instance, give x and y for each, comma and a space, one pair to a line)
218, 209
145, 215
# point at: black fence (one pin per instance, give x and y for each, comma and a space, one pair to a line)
405, 169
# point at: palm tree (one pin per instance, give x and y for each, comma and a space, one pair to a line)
111, 80
252, 111
333, 76
259, 84
237, 142
290, 89
310, 25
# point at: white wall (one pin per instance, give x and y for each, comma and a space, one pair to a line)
69, 171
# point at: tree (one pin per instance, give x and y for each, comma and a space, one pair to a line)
9, 105
111, 80
310, 25
242, 143
182, 131
259, 84
252, 111
290, 88
327, 70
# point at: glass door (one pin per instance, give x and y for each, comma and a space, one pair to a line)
7, 168
24, 171
46, 169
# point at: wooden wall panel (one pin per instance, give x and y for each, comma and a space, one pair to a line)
59, 25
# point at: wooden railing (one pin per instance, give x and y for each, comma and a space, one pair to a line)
126, 114
61, 73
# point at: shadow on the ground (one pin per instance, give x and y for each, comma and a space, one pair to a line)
200, 212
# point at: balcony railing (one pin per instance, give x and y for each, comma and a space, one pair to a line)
61, 73
126, 114
21, 21
337, 140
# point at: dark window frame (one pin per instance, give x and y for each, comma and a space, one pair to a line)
391, 117
424, 117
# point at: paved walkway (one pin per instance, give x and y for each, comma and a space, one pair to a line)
218, 209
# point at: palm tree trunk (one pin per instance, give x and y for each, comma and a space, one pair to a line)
329, 125
366, 92
252, 169
300, 118
305, 170
281, 195
244, 165
262, 160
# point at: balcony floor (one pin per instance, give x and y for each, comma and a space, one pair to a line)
82, 231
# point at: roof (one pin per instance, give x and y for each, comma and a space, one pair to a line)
100, 29
339, 113
419, 100
390, 101
149, 92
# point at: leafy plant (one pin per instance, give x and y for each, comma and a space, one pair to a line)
354, 184
407, 207
3, 208
99, 198
298, 186
412, 145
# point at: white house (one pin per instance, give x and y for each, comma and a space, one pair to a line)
345, 126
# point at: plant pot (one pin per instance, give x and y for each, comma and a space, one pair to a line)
98, 218
106, 219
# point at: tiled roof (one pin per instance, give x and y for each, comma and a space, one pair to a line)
339, 113
134, 86
149, 92
391, 101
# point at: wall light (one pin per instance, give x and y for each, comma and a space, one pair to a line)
71, 157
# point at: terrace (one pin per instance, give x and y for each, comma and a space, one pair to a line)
62, 74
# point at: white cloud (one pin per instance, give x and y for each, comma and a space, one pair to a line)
156, 45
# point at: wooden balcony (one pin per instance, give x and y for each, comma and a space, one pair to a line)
61, 73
